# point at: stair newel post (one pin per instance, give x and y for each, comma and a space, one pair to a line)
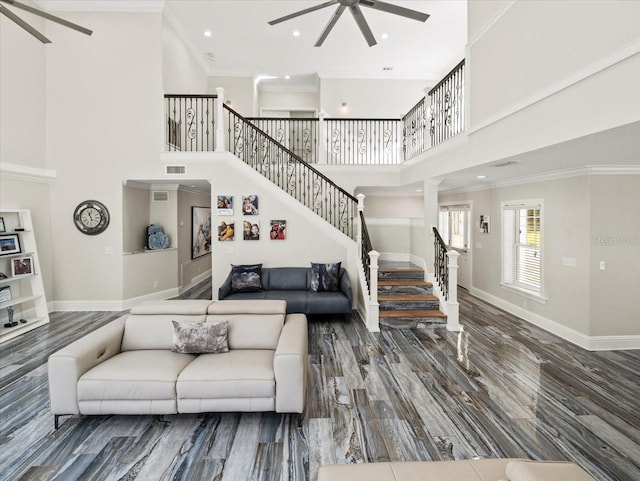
453, 308
374, 306
220, 120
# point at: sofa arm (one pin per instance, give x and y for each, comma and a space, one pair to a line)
67, 365
290, 365
345, 287
225, 289
523, 470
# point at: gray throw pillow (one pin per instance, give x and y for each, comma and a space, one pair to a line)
325, 277
246, 278
200, 337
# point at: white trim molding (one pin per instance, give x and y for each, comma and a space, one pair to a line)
489, 25
590, 343
27, 173
113, 305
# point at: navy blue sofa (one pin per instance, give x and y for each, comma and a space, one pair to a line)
292, 284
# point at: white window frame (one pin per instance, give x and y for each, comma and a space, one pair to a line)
537, 296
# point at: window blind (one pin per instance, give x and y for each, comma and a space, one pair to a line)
521, 244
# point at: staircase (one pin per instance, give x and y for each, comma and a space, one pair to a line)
406, 299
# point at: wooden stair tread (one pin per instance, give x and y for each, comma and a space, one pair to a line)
403, 282
407, 297
412, 313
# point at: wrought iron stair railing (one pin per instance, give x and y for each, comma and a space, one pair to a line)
365, 248
190, 122
300, 135
291, 173
446, 106
440, 269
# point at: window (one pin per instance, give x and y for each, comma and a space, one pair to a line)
453, 225
522, 246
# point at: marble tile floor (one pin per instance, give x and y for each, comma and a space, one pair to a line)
501, 388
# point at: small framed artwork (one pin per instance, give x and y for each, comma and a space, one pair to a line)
226, 231
485, 223
200, 231
278, 230
250, 205
225, 205
2, 227
9, 244
5, 293
22, 266
251, 230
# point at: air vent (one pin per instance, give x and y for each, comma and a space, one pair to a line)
176, 169
159, 196
506, 163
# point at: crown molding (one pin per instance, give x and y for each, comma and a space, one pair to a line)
27, 173
489, 25
555, 175
171, 17
101, 5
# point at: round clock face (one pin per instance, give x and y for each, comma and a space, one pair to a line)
91, 217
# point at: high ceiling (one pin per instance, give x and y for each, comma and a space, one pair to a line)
243, 43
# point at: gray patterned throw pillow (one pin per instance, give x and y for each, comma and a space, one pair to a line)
325, 277
200, 337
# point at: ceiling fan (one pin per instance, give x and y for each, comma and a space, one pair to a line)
354, 7
14, 18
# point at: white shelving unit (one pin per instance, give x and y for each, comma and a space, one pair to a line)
27, 291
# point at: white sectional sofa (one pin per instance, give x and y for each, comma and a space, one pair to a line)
128, 366
463, 470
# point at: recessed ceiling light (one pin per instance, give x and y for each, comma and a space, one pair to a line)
481, 176
296, 33
418, 190
287, 77
384, 36
207, 33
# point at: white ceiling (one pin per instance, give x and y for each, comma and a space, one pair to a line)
243, 44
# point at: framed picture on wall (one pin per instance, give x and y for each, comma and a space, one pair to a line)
225, 205
2, 227
278, 229
200, 231
9, 244
251, 230
5, 293
250, 205
226, 231
485, 223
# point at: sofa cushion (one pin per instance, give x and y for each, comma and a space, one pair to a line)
153, 331
240, 373
522, 470
253, 324
287, 279
327, 303
296, 300
246, 278
325, 277
134, 375
239, 296
200, 337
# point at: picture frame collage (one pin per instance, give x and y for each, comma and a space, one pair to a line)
251, 228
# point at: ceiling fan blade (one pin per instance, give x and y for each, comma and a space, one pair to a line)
395, 9
302, 12
11, 16
364, 26
330, 25
48, 16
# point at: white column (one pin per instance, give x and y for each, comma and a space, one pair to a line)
453, 308
373, 323
220, 147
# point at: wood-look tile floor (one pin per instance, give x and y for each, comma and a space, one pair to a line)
500, 388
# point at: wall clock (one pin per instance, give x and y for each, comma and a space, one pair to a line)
91, 217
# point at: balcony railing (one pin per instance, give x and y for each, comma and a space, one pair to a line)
191, 126
190, 122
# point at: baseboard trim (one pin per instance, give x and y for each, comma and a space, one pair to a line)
590, 343
113, 305
195, 281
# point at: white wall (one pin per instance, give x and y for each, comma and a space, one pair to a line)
239, 90
166, 213
370, 98
189, 269
104, 124
22, 89
181, 73
135, 218
289, 101
614, 239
